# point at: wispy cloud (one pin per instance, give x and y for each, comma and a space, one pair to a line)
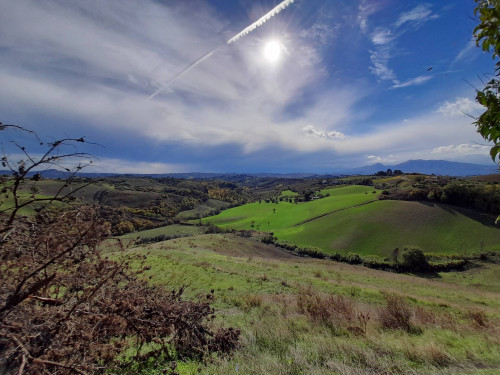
366, 9
321, 33
382, 35
465, 149
465, 53
412, 82
417, 16
380, 60
384, 40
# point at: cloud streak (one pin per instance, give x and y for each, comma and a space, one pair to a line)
384, 40
417, 16
247, 30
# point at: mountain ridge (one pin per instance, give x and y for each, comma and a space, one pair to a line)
438, 167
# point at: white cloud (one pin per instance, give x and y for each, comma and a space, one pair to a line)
111, 57
112, 165
321, 33
412, 82
466, 52
374, 158
332, 135
365, 10
380, 59
418, 15
460, 107
382, 35
465, 149
384, 40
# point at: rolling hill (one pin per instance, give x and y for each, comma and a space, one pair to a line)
352, 220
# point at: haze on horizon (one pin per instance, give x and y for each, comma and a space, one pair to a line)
320, 86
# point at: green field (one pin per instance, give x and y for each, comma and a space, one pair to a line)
351, 220
271, 217
258, 289
378, 228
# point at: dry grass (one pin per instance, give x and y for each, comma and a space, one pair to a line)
397, 314
479, 317
252, 300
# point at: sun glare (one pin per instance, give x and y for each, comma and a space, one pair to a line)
272, 51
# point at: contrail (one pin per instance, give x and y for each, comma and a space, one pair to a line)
181, 73
262, 20
247, 30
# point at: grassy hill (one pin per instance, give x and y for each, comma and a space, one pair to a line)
350, 219
378, 228
305, 316
271, 217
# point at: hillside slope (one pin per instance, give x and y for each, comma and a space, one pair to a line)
378, 228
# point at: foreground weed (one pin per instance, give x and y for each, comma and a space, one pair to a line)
397, 313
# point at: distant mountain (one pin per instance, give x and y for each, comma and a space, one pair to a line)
55, 173
438, 167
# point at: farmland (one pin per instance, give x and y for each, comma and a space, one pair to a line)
351, 220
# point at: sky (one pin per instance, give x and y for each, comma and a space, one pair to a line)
321, 86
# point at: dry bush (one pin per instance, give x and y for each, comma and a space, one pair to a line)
425, 316
65, 308
332, 309
252, 300
479, 317
428, 353
397, 314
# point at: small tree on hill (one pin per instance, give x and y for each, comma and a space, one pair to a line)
413, 259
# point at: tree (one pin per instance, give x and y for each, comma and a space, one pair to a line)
487, 35
413, 259
67, 308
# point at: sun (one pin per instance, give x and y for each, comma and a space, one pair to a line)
272, 51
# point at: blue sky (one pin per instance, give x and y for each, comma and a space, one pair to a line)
353, 83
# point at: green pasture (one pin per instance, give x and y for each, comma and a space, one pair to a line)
270, 217
234, 266
381, 226
350, 219
288, 193
257, 288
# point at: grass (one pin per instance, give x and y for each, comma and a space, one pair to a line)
271, 217
168, 230
349, 220
204, 209
258, 289
378, 228
288, 193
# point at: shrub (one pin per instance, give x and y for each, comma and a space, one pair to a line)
413, 259
396, 314
353, 258
329, 310
252, 300
65, 308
